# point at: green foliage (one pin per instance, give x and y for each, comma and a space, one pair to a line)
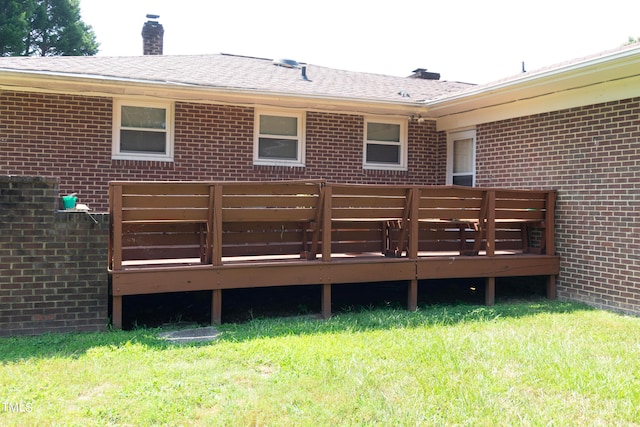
13, 27
44, 28
632, 40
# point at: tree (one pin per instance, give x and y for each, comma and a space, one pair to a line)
13, 27
44, 28
632, 40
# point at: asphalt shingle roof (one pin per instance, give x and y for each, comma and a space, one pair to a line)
241, 73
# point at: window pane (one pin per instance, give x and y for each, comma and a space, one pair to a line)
143, 117
466, 180
383, 132
463, 155
139, 141
271, 148
278, 125
381, 153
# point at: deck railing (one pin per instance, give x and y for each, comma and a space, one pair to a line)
217, 222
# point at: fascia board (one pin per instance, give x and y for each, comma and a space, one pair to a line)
574, 77
594, 94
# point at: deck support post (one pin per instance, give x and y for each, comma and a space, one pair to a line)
116, 319
490, 291
216, 307
325, 301
412, 300
551, 287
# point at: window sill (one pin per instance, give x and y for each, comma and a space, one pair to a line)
143, 158
380, 168
279, 164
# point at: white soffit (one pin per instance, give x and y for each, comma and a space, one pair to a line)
602, 79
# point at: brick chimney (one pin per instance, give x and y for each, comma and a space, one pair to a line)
152, 36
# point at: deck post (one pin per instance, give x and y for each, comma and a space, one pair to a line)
326, 224
325, 301
116, 318
412, 300
414, 225
490, 291
116, 232
318, 226
216, 307
551, 287
491, 223
217, 225
210, 225
550, 242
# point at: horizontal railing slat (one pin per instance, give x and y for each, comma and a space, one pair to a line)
167, 188
450, 202
280, 188
270, 201
368, 202
271, 214
515, 215
449, 214
520, 204
367, 214
154, 215
186, 201
366, 190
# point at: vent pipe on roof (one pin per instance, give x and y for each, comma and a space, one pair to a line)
152, 36
422, 73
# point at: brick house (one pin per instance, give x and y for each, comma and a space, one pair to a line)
574, 127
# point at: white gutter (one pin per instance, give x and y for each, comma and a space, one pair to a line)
98, 85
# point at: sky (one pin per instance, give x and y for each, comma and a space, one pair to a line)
466, 41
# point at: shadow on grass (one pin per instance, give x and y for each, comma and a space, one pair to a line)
362, 319
350, 320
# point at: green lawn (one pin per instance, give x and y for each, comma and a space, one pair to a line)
543, 363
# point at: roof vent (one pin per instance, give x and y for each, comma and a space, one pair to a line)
286, 63
422, 73
303, 76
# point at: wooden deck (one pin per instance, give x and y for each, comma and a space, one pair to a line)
188, 236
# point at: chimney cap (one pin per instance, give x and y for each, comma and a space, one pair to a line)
152, 16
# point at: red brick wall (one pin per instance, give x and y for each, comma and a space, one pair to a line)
70, 137
52, 265
592, 156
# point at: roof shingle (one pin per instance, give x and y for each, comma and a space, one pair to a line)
240, 72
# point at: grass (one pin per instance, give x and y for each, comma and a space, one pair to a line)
542, 363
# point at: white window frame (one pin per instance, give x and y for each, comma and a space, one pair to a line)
117, 154
300, 138
456, 136
403, 144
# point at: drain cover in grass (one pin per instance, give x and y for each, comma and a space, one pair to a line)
208, 333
